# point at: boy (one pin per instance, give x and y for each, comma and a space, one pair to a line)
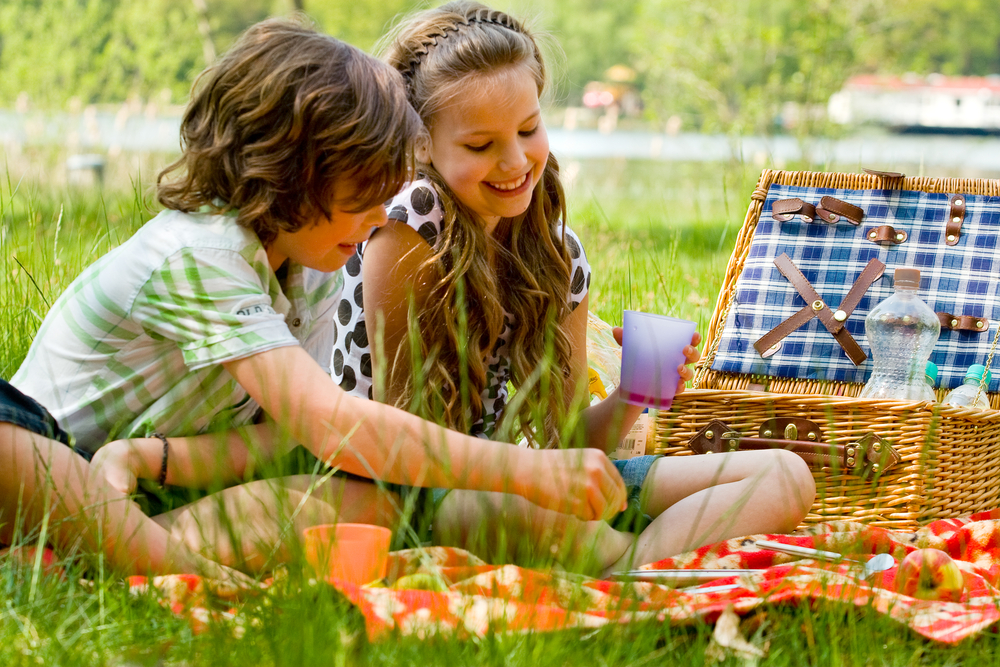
222, 305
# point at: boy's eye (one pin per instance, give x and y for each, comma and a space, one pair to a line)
478, 149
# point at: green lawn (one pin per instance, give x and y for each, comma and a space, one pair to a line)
658, 237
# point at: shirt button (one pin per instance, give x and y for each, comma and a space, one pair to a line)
296, 322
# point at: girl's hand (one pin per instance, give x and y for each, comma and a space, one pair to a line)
114, 463
691, 356
581, 482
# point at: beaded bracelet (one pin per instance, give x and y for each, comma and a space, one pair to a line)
163, 466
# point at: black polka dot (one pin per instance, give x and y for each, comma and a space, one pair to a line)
579, 280
350, 381
344, 311
353, 266
336, 334
588, 280
422, 200
360, 334
428, 233
358, 298
371, 393
338, 362
348, 339
366, 365
399, 213
573, 246
499, 404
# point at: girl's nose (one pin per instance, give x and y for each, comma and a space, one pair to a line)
513, 158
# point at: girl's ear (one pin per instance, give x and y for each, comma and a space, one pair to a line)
422, 149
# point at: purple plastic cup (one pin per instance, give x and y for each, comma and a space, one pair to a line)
652, 349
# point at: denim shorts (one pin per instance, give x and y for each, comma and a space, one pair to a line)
22, 410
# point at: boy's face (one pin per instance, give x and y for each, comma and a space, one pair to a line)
327, 244
491, 146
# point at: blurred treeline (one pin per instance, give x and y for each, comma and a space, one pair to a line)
729, 65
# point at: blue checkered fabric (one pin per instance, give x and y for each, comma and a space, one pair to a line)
962, 280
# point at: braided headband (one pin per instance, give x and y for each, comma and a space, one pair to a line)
433, 40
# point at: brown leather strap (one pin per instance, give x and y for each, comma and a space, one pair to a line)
964, 323
816, 307
883, 174
886, 235
784, 210
867, 455
956, 216
831, 209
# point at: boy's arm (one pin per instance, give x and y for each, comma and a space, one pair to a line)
377, 441
606, 423
196, 461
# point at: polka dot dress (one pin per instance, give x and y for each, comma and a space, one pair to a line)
419, 207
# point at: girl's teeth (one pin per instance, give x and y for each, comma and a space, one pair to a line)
509, 185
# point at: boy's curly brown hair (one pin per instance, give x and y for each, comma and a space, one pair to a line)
279, 120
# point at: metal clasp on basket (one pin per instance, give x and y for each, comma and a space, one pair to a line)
868, 456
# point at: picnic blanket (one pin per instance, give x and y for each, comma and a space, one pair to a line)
450, 591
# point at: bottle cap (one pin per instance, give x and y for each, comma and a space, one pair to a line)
907, 277
931, 372
976, 372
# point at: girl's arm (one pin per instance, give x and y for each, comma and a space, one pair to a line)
196, 462
605, 424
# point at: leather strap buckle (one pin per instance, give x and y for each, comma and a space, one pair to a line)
816, 307
886, 235
868, 455
956, 216
784, 210
831, 209
963, 323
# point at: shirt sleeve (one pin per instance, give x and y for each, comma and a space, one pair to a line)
579, 285
213, 304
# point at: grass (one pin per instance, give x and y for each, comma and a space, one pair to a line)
658, 237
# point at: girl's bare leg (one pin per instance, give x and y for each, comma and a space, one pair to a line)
508, 528
254, 526
699, 500
45, 482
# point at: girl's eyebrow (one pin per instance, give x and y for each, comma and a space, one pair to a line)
476, 133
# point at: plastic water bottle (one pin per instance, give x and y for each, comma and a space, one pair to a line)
965, 394
901, 331
930, 379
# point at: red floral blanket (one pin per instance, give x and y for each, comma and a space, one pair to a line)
444, 590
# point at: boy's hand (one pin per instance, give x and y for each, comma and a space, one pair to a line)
114, 463
691, 356
581, 482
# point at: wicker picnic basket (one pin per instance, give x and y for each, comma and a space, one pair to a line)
948, 458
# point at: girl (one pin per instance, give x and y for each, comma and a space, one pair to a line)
476, 247
219, 312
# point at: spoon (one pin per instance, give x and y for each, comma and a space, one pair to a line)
875, 564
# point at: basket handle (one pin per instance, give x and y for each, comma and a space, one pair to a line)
869, 455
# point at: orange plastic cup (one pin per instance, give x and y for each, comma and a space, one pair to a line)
354, 552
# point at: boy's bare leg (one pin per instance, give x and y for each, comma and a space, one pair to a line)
510, 528
699, 500
84, 511
254, 526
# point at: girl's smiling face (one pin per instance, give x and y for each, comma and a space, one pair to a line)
490, 145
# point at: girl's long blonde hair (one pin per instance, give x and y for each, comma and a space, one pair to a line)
437, 51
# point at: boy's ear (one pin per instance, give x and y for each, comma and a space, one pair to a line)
422, 149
